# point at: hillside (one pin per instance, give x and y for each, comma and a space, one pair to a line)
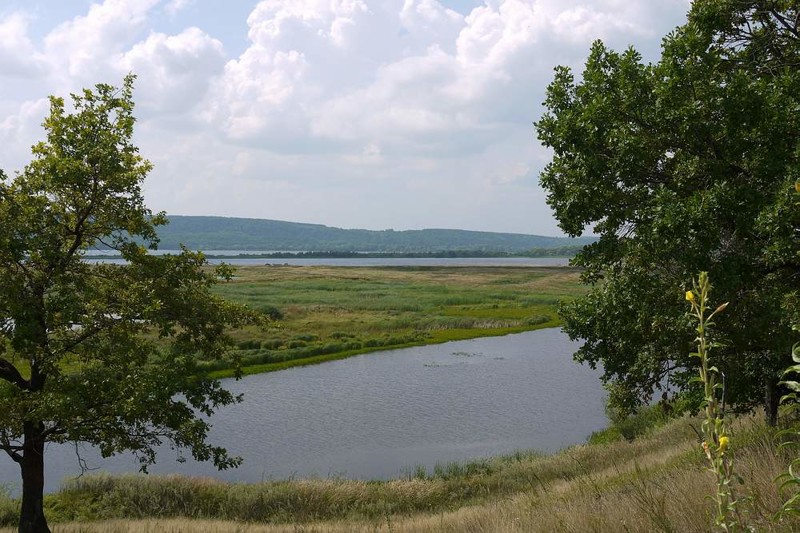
220, 233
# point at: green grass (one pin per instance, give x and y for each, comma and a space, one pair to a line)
326, 313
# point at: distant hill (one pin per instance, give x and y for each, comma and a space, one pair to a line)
221, 233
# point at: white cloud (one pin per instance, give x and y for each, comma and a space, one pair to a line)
18, 55
173, 71
176, 6
431, 18
85, 48
254, 92
20, 131
460, 80
272, 20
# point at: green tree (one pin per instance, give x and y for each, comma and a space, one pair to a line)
100, 353
682, 166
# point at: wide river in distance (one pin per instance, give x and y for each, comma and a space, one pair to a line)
244, 260
380, 415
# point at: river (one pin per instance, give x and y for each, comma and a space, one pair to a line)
379, 415
371, 261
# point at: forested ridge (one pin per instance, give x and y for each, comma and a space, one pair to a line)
222, 233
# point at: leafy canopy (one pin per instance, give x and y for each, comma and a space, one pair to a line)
683, 166
101, 353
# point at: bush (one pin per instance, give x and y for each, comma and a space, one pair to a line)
272, 344
537, 319
271, 311
642, 422
9, 509
249, 345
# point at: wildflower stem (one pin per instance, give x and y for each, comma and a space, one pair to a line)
715, 438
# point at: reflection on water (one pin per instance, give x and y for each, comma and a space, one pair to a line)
378, 415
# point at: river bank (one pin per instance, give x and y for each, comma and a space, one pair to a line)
655, 482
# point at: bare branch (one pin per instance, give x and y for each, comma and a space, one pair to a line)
15, 456
788, 26
82, 464
11, 449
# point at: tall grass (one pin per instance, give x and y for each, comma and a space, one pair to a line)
386, 308
9, 508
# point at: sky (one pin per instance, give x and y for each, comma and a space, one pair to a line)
374, 114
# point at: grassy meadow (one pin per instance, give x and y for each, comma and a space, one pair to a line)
323, 313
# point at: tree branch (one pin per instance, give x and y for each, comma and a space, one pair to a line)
9, 373
788, 26
11, 449
15, 456
76, 341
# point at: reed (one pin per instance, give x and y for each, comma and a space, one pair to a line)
378, 308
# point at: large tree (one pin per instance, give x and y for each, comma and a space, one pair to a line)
100, 353
685, 165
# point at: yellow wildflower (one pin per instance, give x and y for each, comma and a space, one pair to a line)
723, 443
689, 296
797, 186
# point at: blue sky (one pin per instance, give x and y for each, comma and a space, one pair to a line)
373, 114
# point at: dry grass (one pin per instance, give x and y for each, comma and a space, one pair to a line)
656, 483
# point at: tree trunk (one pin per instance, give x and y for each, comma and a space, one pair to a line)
771, 400
32, 519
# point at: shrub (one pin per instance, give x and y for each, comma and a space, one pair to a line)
271, 311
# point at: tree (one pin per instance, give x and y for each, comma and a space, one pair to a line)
106, 354
683, 166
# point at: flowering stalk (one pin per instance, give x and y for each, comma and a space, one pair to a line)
715, 438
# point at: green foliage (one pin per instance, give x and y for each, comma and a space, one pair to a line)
271, 311
682, 166
645, 420
104, 354
9, 509
791, 478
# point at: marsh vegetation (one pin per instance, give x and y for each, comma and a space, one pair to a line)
324, 313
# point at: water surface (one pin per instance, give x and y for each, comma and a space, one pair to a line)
375, 261
379, 415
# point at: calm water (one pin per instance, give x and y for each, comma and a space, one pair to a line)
378, 415
382, 261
